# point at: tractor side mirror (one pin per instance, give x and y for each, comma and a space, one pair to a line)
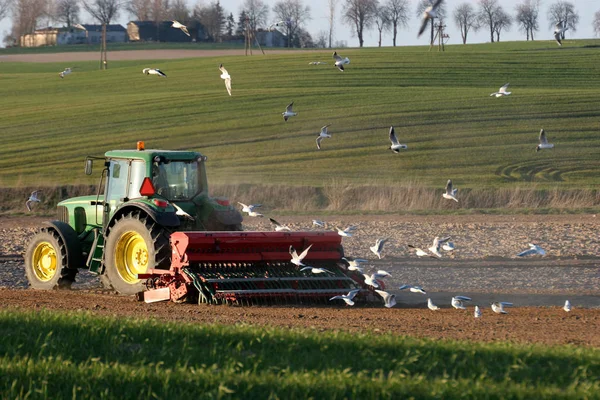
88, 166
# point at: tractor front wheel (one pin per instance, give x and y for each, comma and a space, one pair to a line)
46, 262
134, 244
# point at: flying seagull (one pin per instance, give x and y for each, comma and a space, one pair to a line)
273, 25
179, 211
559, 30
324, 134
431, 306
533, 249
154, 71
567, 306
429, 14
543, 142
396, 146
378, 247
226, 77
458, 302
371, 280
450, 192
318, 223
297, 259
339, 61
437, 243
448, 246
420, 252
348, 298
316, 270
278, 226
355, 264
33, 198
66, 72
498, 307
346, 232
178, 25
250, 209
289, 112
502, 91
388, 299
414, 289
477, 313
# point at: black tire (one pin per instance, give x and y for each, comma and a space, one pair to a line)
134, 243
46, 262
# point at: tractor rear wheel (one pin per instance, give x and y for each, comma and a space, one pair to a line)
46, 262
134, 244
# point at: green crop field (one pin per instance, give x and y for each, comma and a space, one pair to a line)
78, 355
438, 101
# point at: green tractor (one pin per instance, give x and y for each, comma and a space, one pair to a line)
124, 230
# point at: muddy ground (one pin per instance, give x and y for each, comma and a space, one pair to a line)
483, 267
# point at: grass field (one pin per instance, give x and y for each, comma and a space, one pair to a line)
438, 102
78, 355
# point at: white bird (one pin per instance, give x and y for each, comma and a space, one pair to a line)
377, 248
533, 249
477, 312
559, 29
458, 302
355, 264
448, 246
318, 223
567, 307
429, 13
178, 25
450, 193
316, 63
273, 25
249, 208
431, 306
33, 198
316, 270
435, 247
297, 259
346, 232
179, 211
289, 112
420, 252
381, 274
322, 135
498, 307
64, 73
543, 142
226, 77
371, 280
414, 289
348, 298
396, 146
154, 71
388, 298
502, 91
339, 61
279, 227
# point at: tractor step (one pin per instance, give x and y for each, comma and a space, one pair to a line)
94, 261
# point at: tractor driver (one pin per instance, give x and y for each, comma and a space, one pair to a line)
159, 180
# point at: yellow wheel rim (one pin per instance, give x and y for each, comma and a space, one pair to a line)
131, 256
44, 261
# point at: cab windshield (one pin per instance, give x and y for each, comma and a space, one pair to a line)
177, 180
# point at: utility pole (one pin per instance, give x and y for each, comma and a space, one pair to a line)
440, 36
249, 35
103, 61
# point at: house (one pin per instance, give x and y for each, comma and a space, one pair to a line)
272, 38
151, 31
79, 34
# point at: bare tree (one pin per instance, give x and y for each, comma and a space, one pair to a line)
212, 17
257, 12
398, 15
67, 11
361, 15
487, 14
596, 23
466, 19
502, 21
441, 13
102, 10
179, 11
331, 5
563, 11
139, 9
26, 15
295, 14
321, 40
527, 17
4, 8
382, 22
